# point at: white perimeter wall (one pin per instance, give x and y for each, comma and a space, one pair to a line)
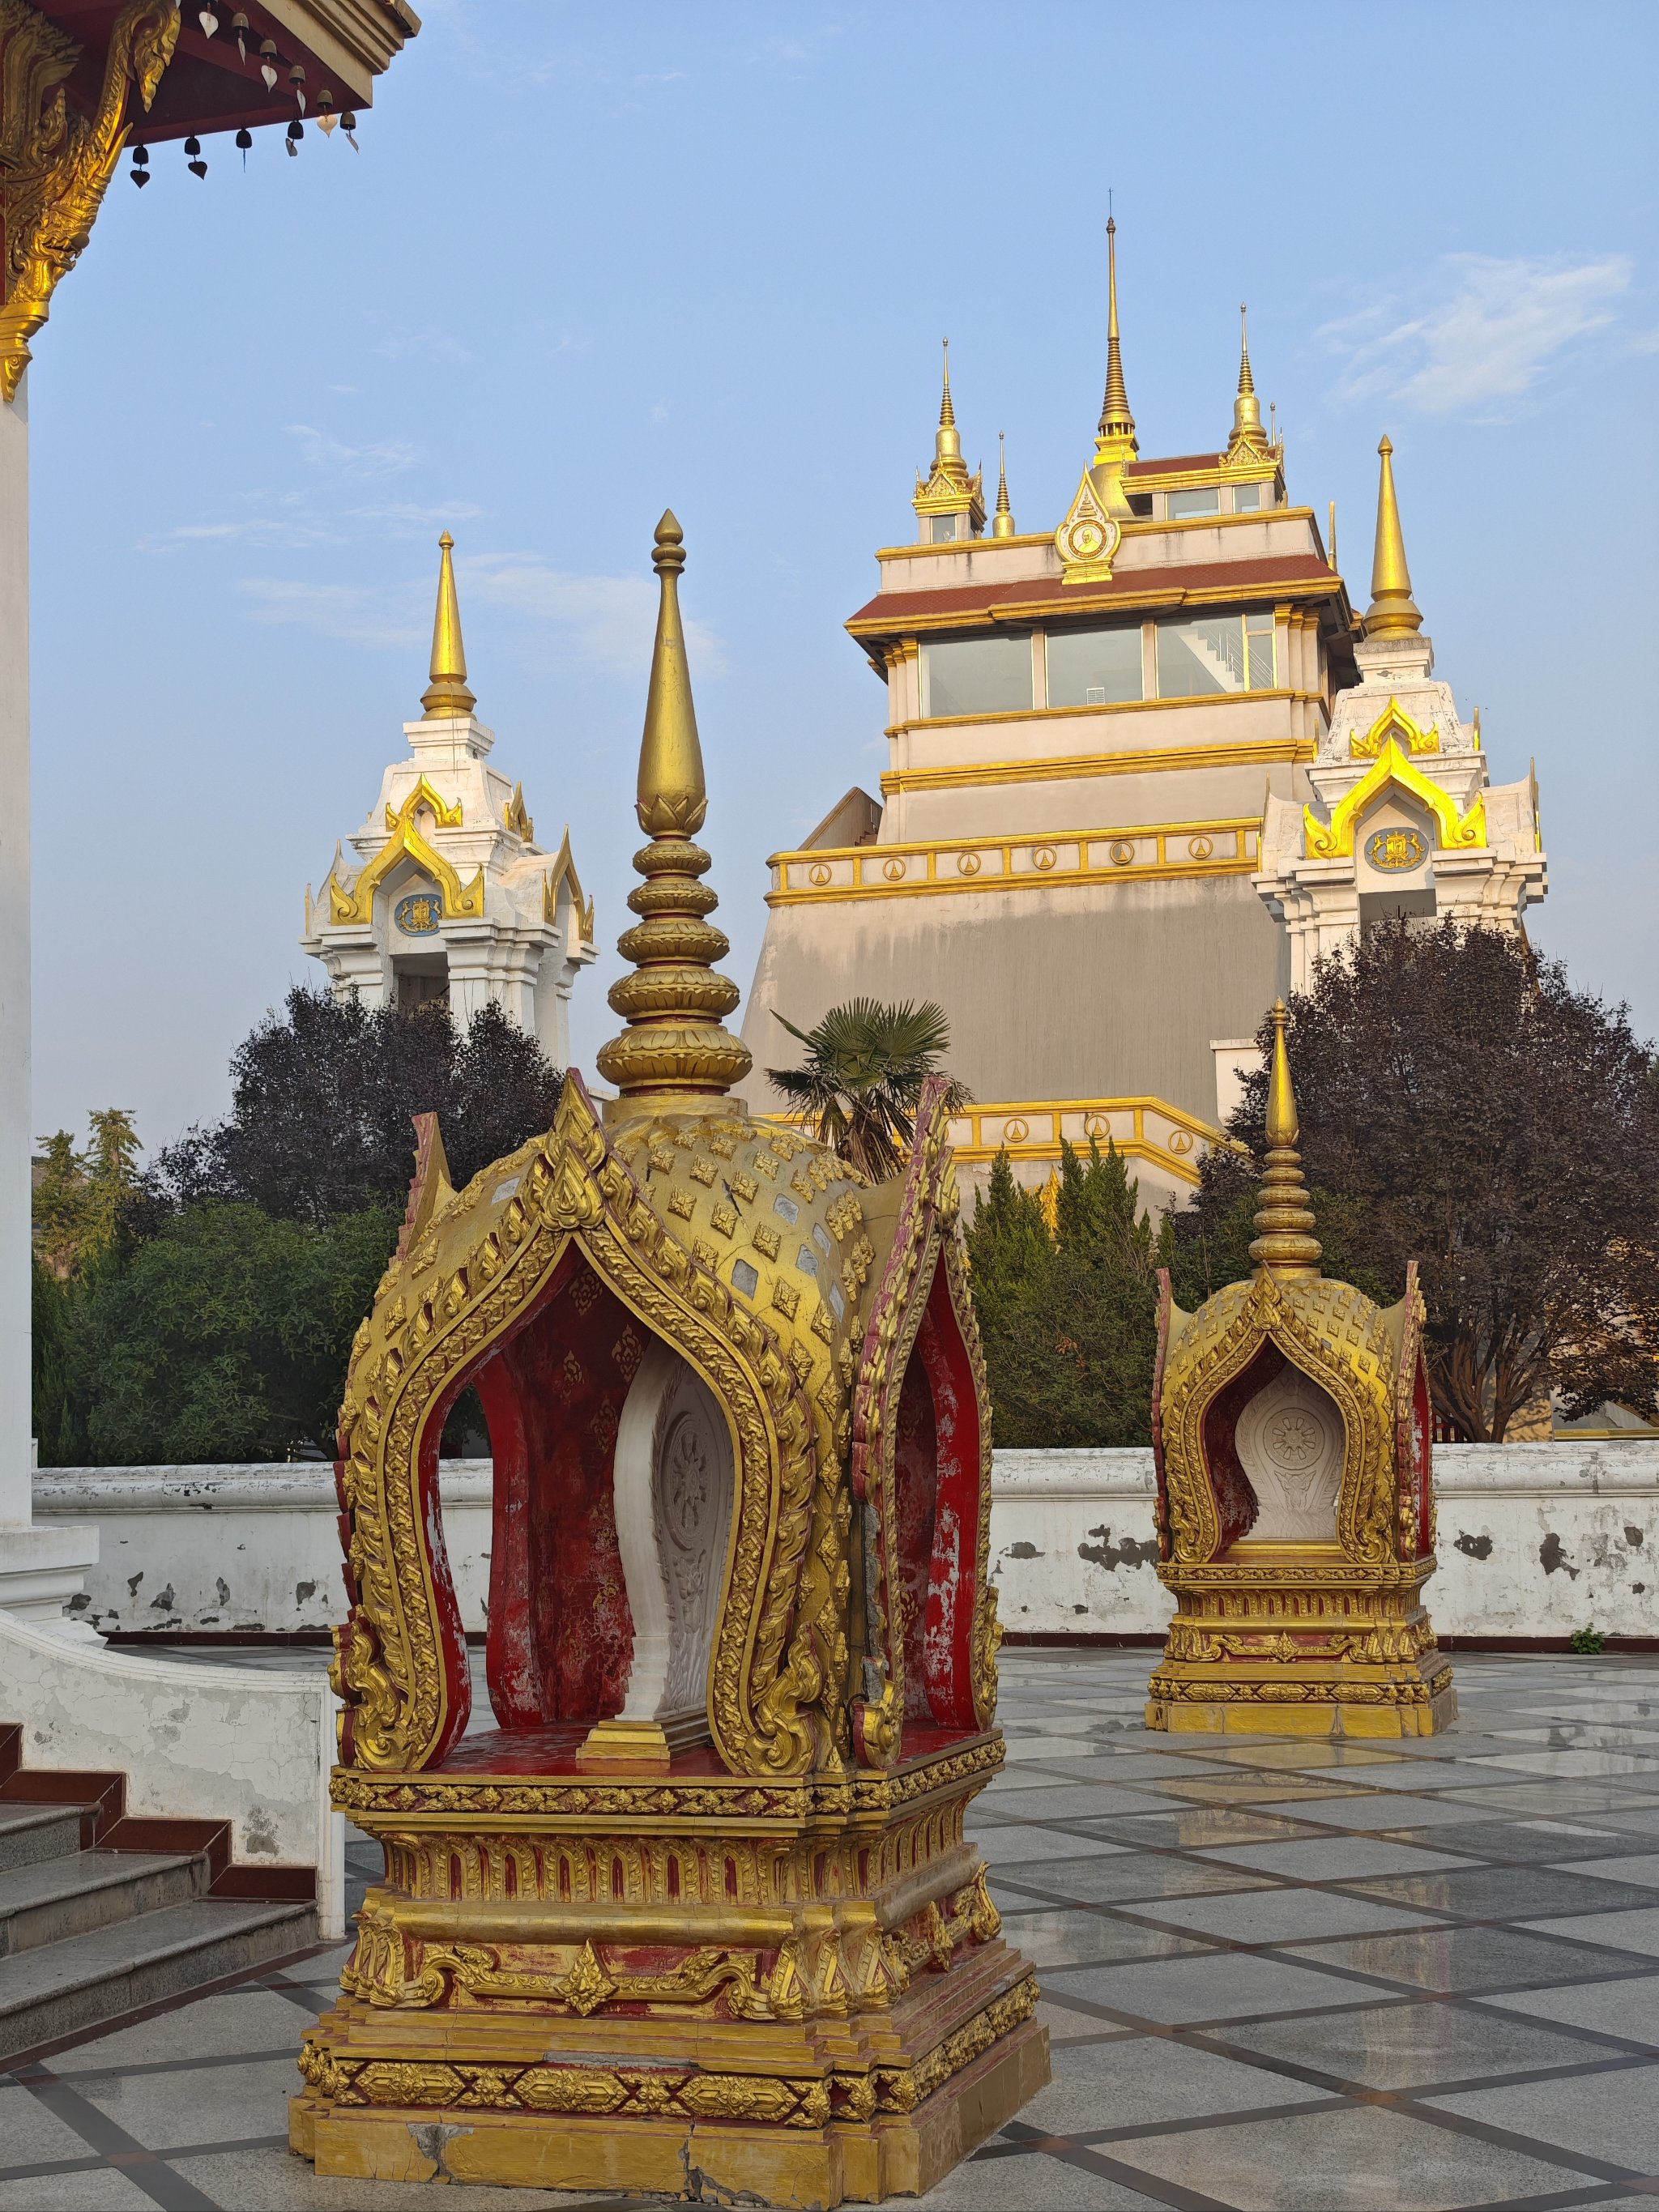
1535, 1540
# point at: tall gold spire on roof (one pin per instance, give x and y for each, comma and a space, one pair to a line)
947, 442
1248, 438
676, 1054
1285, 1245
448, 692
949, 490
1117, 424
1002, 523
1393, 612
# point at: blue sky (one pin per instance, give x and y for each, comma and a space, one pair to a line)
590, 263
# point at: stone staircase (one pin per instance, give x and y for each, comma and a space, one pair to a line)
101, 1914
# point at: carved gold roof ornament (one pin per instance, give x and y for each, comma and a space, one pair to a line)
676, 1049
1089, 536
948, 489
353, 903
1292, 1435
56, 163
1393, 612
1330, 841
1249, 441
448, 692
519, 820
1002, 522
563, 870
1393, 722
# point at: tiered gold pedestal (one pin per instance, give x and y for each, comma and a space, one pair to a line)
794, 1989
1293, 1639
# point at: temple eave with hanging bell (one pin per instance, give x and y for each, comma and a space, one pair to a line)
702, 1898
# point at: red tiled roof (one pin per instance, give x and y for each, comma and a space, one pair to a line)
1182, 461
896, 612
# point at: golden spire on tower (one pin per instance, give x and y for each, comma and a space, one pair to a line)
448, 692
1117, 424
1002, 522
947, 442
1285, 1246
1248, 439
1393, 612
676, 1054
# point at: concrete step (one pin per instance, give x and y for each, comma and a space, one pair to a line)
59, 1897
31, 1833
60, 1988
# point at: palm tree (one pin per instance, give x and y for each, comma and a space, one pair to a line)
866, 1065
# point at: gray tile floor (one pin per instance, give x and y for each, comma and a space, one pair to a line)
1276, 1976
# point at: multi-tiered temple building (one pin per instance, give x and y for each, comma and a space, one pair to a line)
1144, 767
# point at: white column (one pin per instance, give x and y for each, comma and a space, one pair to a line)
40, 1568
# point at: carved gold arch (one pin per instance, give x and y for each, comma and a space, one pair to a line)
929, 1232
462, 902
1334, 1336
479, 1267
564, 869
1394, 717
1458, 832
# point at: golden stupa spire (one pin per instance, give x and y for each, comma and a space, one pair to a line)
1248, 435
1116, 423
448, 692
1002, 523
676, 1054
947, 440
1285, 1245
1393, 612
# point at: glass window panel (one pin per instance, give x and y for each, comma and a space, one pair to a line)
1094, 667
944, 529
1245, 496
1259, 644
1198, 658
978, 675
1194, 502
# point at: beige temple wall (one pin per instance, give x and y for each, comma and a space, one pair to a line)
1092, 993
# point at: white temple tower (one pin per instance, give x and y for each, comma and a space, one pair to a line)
451, 898
1405, 818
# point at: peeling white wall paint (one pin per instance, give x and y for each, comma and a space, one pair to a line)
1535, 1540
248, 1746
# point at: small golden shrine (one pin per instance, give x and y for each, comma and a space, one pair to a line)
1292, 1429
696, 1915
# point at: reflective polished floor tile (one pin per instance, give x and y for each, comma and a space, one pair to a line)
1415, 2046
1225, 1985
1637, 1932
1464, 1959
1028, 1845
1281, 1915
1121, 1876
1087, 1939
1146, 2080
1613, 2116
1331, 1858
1347, 2159
1507, 1893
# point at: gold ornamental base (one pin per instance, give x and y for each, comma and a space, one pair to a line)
792, 1992
1326, 1652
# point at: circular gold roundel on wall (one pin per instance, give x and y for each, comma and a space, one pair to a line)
892, 870
967, 864
1180, 1141
818, 873
1396, 848
1044, 858
1122, 853
1097, 1125
1015, 1133
1200, 848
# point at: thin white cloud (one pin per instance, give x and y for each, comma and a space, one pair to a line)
605, 622
1482, 336
340, 460
350, 611
407, 519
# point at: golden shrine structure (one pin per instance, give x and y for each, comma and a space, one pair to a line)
1292, 1430
697, 1915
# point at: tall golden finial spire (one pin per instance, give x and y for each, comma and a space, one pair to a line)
949, 490
1393, 612
1285, 1245
676, 1054
1002, 522
1248, 435
448, 692
1116, 423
